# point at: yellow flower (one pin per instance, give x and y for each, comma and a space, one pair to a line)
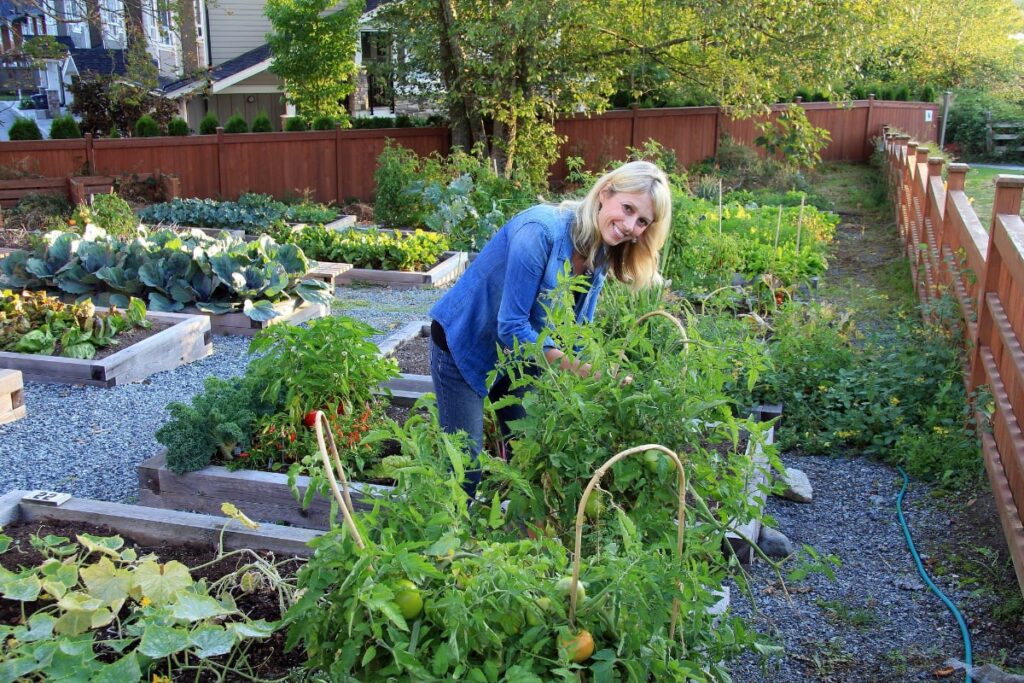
145, 602
822, 388
158, 678
893, 401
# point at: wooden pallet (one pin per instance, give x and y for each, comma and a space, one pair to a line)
187, 339
293, 311
452, 265
12, 396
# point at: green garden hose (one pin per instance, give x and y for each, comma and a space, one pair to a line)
968, 666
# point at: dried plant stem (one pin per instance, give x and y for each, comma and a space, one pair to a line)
581, 515
342, 496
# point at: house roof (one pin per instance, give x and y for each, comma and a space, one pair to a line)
99, 60
16, 9
237, 69
222, 72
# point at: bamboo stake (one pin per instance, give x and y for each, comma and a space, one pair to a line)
799, 224
344, 500
581, 514
778, 229
679, 325
719, 206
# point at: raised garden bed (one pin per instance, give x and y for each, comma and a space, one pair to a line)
328, 272
12, 396
447, 270
339, 223
293, 311
186, 339
149, 525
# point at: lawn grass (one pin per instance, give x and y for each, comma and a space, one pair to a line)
980, 187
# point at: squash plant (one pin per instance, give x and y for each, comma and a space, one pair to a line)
35, 322
172, 270
95, 610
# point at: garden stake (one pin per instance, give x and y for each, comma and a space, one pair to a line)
719, 206
344, 501
778, 227
675, 320
581, 514
799, 225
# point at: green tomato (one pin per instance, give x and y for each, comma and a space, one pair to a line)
565, 583
408, 599
594, 506
653, 457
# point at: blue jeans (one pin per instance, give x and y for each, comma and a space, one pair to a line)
459, 409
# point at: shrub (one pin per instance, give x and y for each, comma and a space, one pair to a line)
236, 124
295, 124
262, 124
146, 127
209, 124
178, 127
114, 133
967, 119
25, 129
397, 168
323, 123
65, 128
110, 212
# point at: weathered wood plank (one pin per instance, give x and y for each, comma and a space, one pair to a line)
153, 525
327, 271
187, 339
447, 270
262, 495
1009, 516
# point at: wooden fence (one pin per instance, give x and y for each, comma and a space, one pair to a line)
949, 251
335, 166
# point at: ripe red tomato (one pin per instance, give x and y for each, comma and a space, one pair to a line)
310, 419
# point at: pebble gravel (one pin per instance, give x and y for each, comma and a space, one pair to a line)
87, 441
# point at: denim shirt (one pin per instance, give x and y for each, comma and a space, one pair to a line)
501, 297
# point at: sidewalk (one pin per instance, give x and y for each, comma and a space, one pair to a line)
9, 112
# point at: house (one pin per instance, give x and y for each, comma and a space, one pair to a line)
94, 35
239, 80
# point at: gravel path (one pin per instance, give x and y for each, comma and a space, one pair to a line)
87, 441
876, 621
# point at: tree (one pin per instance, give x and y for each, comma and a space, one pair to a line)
314, 52
504, 70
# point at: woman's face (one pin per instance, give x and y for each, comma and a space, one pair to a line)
624, 216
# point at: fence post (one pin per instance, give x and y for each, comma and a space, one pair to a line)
867, 125
634, 108
221, 180
90, 155
1007, 201
956, 176
337, 165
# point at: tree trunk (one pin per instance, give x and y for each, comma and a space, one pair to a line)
95, 20
464, 105
187, 33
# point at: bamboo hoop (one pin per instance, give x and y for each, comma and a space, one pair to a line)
581, 514
342, 495
679, 325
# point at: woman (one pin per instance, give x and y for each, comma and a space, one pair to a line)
618, 228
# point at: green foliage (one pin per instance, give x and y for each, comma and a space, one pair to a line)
262, 124
109, 212
64, 128
35, 322
146, 127
794, 137
171, 270
109, 105
378, 250
968, 120
24, 129
236, 124
221, 421
900, 396
209, 124
253, 212
97, 608
459, 195
400, 121
178, 127
313, 46
323, 122
752, 241
295, 124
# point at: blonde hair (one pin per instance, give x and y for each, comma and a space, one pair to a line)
634, 264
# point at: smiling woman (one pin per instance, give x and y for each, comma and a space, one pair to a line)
619, 229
